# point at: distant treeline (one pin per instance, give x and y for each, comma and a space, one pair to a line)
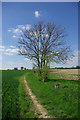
77, 67
23, 68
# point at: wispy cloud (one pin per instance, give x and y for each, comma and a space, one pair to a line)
9, 30
14, 36
11, 50
26, 59
6, 53
18, 30
12, 46
21, 27
37, 14
2, 47
28, 27
2, 50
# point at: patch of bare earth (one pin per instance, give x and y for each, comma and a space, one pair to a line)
69, 74
38, 106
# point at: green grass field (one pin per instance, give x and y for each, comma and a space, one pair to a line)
15, 101
60, 103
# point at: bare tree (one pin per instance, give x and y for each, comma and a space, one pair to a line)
44, 43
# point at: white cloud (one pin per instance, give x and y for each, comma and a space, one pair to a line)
21, 27
28, 27
14, 36
36, 14
26, 59
16, 30
8, 50
9, 30
6, 53
1, 50
12, 46
12, 50
2, 47
22, 49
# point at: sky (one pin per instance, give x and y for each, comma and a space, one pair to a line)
18, 14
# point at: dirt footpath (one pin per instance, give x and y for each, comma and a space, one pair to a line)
38, 106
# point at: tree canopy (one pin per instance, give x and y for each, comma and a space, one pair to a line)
44, 43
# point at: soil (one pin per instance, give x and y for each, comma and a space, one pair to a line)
67, 71
69, 74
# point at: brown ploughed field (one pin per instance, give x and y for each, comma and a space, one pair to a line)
68, 74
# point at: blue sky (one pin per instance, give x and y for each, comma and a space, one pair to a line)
25, 13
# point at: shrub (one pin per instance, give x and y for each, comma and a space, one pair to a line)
15, 68
22, 68
43, 74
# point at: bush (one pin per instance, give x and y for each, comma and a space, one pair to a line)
15, 68
24, 68
77, 67
43, 74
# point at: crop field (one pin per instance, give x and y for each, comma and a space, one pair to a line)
60, 103
15, 102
